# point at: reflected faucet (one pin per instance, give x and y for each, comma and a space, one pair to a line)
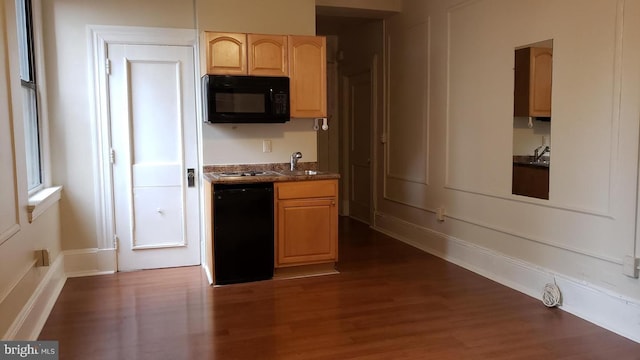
537, 155
294, 159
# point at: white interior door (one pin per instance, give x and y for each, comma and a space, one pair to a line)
153, 130
360, 105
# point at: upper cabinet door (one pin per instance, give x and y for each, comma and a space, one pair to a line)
540, 96
532, 89
226, 53
307, 73
267, 55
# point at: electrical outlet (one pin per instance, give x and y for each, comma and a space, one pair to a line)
440, 214
266, 146
630, 266
42, 258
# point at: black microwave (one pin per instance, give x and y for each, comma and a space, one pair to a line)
245, 99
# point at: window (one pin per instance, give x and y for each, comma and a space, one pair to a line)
29, 94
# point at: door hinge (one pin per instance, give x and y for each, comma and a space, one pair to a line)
116, 242
107, 66
112, 156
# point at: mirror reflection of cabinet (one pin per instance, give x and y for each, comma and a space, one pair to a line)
531, 180
532, 119
532, 92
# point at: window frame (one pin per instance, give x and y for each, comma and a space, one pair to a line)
30, 41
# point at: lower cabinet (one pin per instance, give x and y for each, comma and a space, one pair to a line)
532, 181
306, 219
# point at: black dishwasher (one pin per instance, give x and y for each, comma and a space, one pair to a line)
242, 232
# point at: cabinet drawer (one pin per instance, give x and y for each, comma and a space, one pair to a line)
306, 189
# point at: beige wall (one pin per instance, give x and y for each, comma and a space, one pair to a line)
242, 144
450, 131
18, 238
296, 17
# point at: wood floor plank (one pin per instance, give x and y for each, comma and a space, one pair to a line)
390, 301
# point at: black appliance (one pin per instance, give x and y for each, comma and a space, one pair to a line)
245, 99
242, 232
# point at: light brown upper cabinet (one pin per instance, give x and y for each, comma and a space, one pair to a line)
267, 55
246, 54
226, 53
302, 58
307, 72
532, 87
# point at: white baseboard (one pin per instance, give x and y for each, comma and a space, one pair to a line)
89, 262
609, 310
208, 272
30, 320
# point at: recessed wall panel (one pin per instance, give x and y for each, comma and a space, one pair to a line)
9, 223
408, 139
482, 36
153, 83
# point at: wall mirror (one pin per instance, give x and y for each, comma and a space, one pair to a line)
532, 119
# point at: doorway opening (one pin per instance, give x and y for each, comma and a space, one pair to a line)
354, 107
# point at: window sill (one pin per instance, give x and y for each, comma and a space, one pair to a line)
42, 200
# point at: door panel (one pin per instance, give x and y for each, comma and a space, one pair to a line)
153, 125
158, 218
154, 88
157, 175
360, 105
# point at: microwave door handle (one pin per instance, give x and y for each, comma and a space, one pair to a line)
271, 102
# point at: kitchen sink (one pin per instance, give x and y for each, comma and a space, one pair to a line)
248, 173
253, 174
544, 163
301, 172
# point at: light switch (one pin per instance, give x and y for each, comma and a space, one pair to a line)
266, 146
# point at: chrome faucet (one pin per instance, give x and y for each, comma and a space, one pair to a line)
294, 159
537, 155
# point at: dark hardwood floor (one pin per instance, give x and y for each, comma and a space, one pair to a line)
391, 301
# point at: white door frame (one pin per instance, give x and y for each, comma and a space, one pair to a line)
99, 38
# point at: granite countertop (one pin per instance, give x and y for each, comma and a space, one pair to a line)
276, 173
528, 160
